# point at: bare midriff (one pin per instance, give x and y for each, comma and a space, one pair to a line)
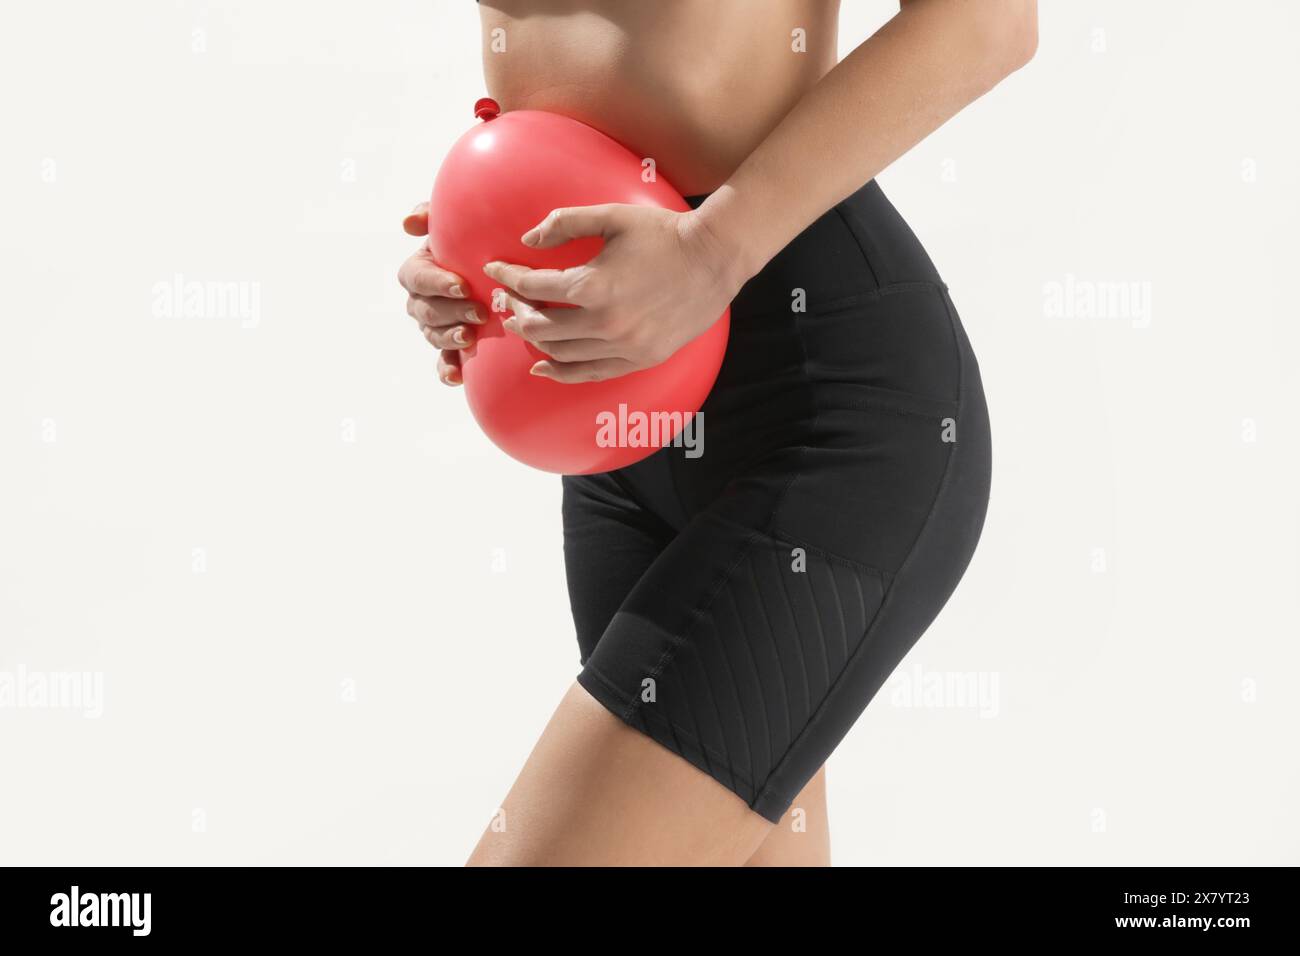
694, 85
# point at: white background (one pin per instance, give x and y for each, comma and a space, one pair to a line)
183, 511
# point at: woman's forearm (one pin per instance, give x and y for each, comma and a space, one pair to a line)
917, 72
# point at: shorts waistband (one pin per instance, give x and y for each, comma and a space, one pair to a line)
858, 246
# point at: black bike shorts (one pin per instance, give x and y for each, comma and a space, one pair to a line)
741, 606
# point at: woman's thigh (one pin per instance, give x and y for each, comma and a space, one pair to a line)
595, 792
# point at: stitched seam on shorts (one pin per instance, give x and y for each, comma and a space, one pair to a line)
856, 298
768, 789
839, 211
912, 285
816, 420
676, 487
786, 800
886, 407
714, 756
784, 537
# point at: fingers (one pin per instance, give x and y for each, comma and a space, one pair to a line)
544, 285
446, 323
540, 326
416, 222
420, 275
566, 335
560, 341
571, 373
437, 301
448, 339
449, 368
579, 350
439, 312
573, 222
577, 286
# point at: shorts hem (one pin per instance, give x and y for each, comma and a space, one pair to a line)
768, 803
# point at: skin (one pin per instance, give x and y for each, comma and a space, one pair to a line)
592, 793
777, 137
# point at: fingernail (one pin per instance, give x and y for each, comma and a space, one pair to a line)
471, 315
531, 237
459, 336
539, 370
456, 292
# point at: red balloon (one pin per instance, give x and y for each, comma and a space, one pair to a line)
499, 180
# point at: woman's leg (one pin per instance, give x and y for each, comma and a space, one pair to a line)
570, 806
803, 837
596, 792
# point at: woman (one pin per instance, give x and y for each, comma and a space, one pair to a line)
737, 612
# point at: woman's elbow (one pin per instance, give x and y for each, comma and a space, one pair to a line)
1000, 36
1013, 35
995, 37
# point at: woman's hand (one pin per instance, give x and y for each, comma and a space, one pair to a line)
661, 279
437, 301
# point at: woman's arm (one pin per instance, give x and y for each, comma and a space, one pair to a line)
918, 71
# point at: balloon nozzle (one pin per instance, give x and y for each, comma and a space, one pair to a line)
486, 108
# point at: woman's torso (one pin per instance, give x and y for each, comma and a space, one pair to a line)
851, 313
696, 86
